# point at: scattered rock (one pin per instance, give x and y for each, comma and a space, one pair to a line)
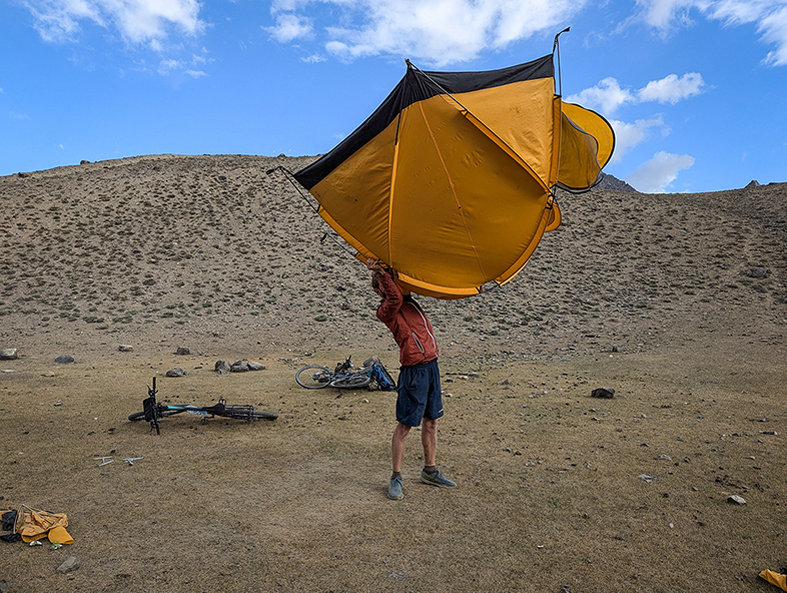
239, 366
182, 351
256, 366
222, 367
752, 183
125, 348
71, 564
176, 372
757, 272
735, 499
64, 359
603, 392
9, 354
647, 477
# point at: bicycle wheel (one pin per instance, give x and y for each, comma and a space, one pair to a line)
314, 377
354, 381
161, 414
248, 413
264, 415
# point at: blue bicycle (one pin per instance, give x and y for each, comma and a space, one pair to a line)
372, 375
153, 410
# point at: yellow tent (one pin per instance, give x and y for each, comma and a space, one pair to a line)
450, 182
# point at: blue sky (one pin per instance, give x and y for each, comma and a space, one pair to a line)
694, 88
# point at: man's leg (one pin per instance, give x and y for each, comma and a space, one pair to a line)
429, 441
430, 474
397, 446
397, 453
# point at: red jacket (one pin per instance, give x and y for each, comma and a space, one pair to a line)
408, 323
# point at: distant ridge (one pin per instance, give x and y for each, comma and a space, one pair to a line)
612, 182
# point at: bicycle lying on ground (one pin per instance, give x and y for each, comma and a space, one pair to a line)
345, 376
153, 410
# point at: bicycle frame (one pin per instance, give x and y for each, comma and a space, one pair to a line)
153, 410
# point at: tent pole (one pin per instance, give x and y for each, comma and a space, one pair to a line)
556, 52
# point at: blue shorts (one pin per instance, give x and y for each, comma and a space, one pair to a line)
419, 393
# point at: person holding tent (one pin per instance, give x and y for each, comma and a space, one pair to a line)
419, 401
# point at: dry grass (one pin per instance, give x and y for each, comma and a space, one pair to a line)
548, 494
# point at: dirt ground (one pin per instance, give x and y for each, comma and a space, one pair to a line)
678, 302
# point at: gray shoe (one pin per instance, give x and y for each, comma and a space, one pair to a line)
436, 479
395, 489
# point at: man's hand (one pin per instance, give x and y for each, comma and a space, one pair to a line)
375, 266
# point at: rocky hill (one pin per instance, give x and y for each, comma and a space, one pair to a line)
197, 251
613, 183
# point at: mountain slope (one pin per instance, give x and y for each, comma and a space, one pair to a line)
211, 250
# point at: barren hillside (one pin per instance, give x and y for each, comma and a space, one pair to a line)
199, 250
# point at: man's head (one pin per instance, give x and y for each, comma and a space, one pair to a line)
376, 285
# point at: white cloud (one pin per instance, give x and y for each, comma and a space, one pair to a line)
656, 175
438, 32
289, 27
313, 59
137, 21
737, 12
286, 5
56, 21
606, 96
661, 14
672, 89
774, 31
769, 17
628, 135
196, 73
167, 66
